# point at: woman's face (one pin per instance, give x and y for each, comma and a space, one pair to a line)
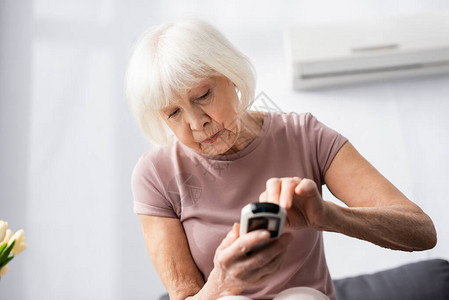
205, 117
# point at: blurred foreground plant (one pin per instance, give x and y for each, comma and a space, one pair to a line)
10, 245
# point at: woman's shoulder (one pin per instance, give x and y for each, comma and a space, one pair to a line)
155, 153
300, 126
292, 119
155, 156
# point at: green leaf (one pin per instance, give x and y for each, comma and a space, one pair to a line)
5, 253
2, 264
3, 247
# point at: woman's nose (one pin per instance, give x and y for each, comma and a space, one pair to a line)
198, 119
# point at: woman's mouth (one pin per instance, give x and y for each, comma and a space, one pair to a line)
212, 138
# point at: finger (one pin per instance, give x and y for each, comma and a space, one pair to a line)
271, 250
270, 268
263, 197
306, 187
245, 243
287, 191
268, 259
236, 229
258, 275
232, 235
273, 189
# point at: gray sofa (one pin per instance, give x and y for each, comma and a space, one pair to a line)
425, 280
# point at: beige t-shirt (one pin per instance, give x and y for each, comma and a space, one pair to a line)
206, 193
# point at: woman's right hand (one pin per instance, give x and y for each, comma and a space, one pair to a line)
235, 269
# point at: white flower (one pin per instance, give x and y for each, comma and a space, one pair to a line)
6, 237
20, 245
6, 241
4, 270
3, 227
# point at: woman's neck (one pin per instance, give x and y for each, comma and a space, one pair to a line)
251, 123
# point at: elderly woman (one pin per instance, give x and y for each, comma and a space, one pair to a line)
185, 78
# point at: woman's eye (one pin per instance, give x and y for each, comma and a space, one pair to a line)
173, 113
204, 96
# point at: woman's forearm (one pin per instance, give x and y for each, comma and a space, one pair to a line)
398, 227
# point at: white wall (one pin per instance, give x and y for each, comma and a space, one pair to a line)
68, 143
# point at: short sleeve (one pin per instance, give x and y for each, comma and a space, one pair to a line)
148, 192
325, 141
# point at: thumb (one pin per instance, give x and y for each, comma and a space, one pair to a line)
263, 197
232, 235
305, 187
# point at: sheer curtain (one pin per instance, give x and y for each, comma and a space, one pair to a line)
68, 142
68, 149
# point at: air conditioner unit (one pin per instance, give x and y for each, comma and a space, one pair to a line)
325, 54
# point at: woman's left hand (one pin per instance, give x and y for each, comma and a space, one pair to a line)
300, 198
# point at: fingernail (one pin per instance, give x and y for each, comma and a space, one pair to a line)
264, 234
235, 229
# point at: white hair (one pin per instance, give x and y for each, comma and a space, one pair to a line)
174, 57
